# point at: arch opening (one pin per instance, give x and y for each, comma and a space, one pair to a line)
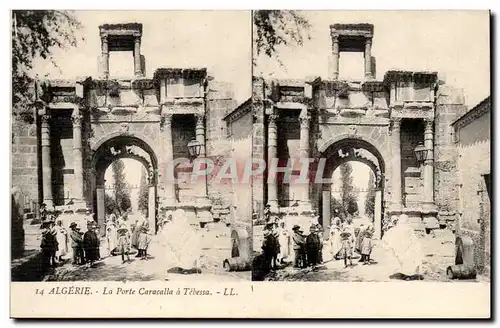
142, 165
341, 157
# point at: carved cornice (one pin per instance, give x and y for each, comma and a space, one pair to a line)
478, 111
410, 76
412, 113
175, 73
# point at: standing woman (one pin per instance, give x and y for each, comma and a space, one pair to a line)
62, 240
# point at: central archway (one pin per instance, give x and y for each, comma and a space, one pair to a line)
347, 150
122, 147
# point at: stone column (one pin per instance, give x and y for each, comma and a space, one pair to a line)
429, 165
377, 215
304, 155
272, 152
327, 219
168, 156
46, 162
203, 203
335, 57
368, 58
200, 133
101, 205
152, 207
77, 155
396, 165
137, 56
105, 56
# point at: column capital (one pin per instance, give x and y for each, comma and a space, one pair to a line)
45, 119
76, 119
199, 116
368, 41
304, 121
166, 121
273, 118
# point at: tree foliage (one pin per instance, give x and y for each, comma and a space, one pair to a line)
274, 28
110, 203
143, 192
121, 188
337, 209
349, 196
370, 197
35, 34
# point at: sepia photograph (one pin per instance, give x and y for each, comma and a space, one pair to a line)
115, 117
235, 164
375, 128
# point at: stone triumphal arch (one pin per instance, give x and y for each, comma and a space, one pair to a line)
87, 123
377, 122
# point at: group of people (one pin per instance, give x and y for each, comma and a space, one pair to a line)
344, 241
122, 237
309, 249
56, 241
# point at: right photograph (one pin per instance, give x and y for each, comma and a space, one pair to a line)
374, 127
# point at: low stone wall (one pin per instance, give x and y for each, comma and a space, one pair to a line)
481, 256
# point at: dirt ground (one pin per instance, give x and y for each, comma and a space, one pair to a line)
439, 254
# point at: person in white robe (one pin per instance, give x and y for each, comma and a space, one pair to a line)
406, 247
111, 234
335, 239
182, 242
62, 240
284, 241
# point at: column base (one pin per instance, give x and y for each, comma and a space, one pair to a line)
305, 208
273, 206
303, 221
49, 204
203, 210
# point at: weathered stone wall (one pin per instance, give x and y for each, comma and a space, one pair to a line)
25, 164
220, 101
449, 107
474, 202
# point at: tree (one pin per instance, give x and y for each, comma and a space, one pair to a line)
143, 192
121, 189
110, 203
370, 197
35, 34
273, 28
349, 197
337, 209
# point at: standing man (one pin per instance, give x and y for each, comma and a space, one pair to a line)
299, 247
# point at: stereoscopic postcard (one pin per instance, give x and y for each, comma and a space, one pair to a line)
250, 164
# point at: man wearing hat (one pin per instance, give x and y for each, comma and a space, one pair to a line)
76, 238
48, 243
313, 245
298, 241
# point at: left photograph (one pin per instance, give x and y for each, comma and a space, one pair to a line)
121, 121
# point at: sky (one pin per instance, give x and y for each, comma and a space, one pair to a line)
453, 43
170, 39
